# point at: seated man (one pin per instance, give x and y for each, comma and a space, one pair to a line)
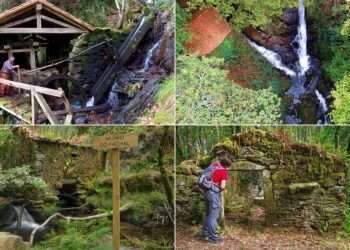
7, 71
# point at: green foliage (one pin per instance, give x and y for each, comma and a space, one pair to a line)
9, 145
227, 50
181, 33
341, 105
80, 236
20, 182
248, 12
165, 100
205, 96
347, 221
144, 206
94, 12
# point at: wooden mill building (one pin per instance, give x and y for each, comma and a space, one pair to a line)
38, 32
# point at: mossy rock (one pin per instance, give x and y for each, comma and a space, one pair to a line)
187, 168
227, 145
204, 161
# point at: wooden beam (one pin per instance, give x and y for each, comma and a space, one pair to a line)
15, 51
46, 108
40, 31
15, 23
38, 89
52, 20
39, 7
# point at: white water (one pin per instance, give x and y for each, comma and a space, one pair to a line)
322, 101
301, 39
113, 99
149, 56
273, 58
90, 102
27, 220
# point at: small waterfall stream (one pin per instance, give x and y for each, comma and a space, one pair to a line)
113, 97
149, 56
302, 66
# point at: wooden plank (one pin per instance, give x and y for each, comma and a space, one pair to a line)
52, 20
39, 7
15, 51
40, 31
18, 22
46, 108
115, 162
8, 110
34, 108
38, 89
112, 141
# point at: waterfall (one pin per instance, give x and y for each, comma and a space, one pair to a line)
273, 58
91, 102
301, 39
113, 99
149, 56
322, 101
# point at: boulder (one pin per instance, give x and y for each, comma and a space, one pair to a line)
290, 16
11, 242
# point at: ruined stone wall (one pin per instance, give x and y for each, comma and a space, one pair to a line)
304, 186
56, 161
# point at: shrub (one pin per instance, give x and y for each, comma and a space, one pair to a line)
204, 95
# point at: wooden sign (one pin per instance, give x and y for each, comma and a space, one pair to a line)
113, 144
108, 142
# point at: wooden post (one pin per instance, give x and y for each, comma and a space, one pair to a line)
34, 107
32, 59
113, 144
115, 163
39, 7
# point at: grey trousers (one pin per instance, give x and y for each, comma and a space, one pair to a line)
212, 213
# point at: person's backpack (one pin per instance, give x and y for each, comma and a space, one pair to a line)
205, 180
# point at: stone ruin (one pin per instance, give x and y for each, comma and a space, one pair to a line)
303, 185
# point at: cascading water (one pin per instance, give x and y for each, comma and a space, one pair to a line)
149, 56
301, 39
90, 102
273, 58
302, 66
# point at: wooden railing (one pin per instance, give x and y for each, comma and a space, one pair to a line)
38, 100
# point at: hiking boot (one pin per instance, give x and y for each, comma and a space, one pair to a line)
201, 236
216, 241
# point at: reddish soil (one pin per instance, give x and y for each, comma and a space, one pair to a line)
247, 238
208, 31
244, 72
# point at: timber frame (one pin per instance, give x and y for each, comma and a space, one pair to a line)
34, 19
38, 100
12, 19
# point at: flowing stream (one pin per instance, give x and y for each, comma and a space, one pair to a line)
302, 66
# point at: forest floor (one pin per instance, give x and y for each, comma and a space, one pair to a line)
238, 237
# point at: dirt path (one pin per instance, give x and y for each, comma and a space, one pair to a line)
238, 238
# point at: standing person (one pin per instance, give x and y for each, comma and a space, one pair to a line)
7, 71
213, 182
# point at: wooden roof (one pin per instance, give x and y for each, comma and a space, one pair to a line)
28, 6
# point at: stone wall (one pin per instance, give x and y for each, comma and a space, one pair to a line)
56, 161
304, 186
